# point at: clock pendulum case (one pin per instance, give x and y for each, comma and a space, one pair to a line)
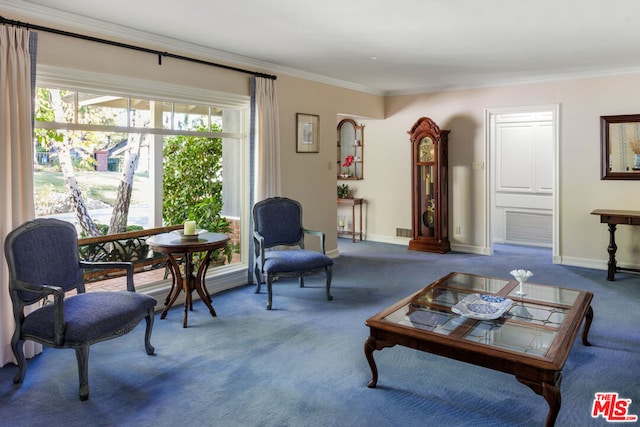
429, 198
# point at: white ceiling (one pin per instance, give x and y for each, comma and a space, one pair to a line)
383, 46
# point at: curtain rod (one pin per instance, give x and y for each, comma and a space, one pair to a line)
160, 54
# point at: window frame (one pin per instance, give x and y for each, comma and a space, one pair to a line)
228, 276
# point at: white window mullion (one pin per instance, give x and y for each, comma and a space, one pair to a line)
130, 129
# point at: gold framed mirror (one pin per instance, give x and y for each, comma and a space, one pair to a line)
350, 156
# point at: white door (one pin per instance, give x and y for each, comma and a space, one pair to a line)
523, 145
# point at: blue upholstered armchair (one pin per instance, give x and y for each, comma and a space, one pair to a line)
277, 232
43, 262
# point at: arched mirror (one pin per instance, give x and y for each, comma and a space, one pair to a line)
350, 150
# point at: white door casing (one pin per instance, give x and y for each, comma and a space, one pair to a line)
522, 157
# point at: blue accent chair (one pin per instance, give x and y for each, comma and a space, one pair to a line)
279, 245
44, 262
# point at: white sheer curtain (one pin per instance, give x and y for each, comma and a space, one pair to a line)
268, 139
264, 150
16, 160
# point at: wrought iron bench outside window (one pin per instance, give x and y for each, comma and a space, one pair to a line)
130, 246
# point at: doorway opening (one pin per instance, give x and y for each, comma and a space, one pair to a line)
523, 181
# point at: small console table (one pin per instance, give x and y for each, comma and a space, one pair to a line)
613, 218
353, 203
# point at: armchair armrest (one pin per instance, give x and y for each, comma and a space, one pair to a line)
259, 240
113, 265
40, 289
58, 307
318, 234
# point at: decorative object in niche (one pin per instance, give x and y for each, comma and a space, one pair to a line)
308, 133
348, 161
343, 191
620, 147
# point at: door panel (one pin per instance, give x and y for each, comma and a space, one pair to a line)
515, 149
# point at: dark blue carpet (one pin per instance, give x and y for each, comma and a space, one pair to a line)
302, 364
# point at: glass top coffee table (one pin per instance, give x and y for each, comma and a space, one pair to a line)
530, 340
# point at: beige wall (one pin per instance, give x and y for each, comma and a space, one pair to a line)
310, 178
583, 240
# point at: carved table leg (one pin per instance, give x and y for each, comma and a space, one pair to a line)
369, 347
200, 285
202, 272
187, 284
612, 248
551, 393
170, 267
176, 286
588, 318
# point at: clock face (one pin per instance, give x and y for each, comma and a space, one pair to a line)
426, 150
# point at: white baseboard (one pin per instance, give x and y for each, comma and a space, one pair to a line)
405, 242
469, 249
582, 262
598, 264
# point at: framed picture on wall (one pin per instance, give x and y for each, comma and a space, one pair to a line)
308, 133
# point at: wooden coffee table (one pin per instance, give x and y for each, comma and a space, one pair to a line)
531, 341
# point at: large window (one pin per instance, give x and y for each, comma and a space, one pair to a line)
94, 135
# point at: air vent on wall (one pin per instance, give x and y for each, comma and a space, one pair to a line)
403, 232
529, 228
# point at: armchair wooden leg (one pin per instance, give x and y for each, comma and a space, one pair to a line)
329, 276
18, 352
258, 279
147, 334
82, 356
269, 296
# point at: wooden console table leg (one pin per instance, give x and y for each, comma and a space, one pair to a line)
353, 223
612, 248
360, 228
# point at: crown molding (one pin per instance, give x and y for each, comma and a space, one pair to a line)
77, 23
516, 82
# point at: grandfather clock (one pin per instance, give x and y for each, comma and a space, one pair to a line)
429, 199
